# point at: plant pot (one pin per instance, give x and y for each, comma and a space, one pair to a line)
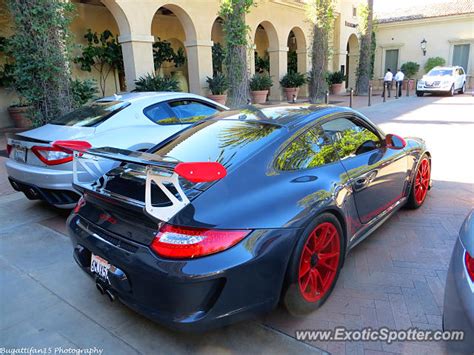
19, 116
221, 99
336, 89
182, 81
411, 84
291, 93
259, 97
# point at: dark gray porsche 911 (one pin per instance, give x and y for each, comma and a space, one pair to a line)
225, 219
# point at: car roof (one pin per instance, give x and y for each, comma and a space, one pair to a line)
291, 116
155, 95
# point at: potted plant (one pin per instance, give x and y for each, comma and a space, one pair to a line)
335, 81
153, 82
259, 86
409, 69
291, 84
218, 85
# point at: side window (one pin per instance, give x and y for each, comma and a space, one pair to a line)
311, 149
351, 138
160, 114
188, 111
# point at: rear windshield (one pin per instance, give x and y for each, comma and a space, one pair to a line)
440, 72
91, 115
224, 141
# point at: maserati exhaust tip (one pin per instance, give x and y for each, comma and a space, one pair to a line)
110, 295
100, 288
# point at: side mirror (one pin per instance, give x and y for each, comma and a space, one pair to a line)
395, 142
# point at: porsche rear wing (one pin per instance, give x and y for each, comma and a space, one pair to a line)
91, 164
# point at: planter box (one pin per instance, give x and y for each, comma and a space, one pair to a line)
259, 97
221, 99
18, 115
291, 93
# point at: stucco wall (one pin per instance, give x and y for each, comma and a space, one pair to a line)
440, 33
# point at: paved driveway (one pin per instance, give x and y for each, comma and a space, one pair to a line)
395, 278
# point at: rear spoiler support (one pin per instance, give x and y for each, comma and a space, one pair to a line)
160, 171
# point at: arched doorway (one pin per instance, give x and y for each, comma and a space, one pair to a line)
352, 60
172, 28
217, 38
107, 30
261, 45
297, 52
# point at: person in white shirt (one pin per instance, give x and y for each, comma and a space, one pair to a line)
387, 82
399, 76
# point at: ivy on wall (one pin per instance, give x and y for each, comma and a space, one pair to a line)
41, 47
236, 42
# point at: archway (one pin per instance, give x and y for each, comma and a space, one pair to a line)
297, 52
109, 81
352, 60
172, 28
217, 38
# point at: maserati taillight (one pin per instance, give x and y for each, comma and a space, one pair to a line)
183, 242
51, 155
469, 260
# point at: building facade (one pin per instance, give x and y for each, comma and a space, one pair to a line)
446, 30
277, 27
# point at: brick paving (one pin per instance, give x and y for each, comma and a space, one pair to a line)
395, 278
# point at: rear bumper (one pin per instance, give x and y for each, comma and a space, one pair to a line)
190, 295
60, 198
458, 311
47, 178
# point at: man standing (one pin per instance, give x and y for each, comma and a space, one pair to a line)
399, 81
387, 82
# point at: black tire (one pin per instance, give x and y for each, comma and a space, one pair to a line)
451, 91
463, 88
412, 202
420, 93
292, 297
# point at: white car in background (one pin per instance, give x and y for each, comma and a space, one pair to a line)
442, 80
132, 121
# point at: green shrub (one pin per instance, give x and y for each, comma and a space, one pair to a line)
151, 82
293, 80
218, 57
83, 91
260, 82
434, 62
335, 78
410, 69
217, 84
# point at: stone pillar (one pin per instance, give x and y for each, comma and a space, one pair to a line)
199, 61
278, 68
303, 68
137, 52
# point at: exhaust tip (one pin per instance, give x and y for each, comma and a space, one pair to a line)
100, 288
110, 295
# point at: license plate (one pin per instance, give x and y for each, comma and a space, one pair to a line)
100, 266
19, 154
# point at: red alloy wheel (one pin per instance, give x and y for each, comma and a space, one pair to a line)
319, 262
422, 181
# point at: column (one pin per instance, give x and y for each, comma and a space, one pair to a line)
303, 68
137, 52
278, 68
199, 53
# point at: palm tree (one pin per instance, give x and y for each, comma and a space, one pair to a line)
364, 70
321, 16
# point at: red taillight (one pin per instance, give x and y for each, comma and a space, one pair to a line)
51, 155
469, 260
79, 204
183, 242
9, 149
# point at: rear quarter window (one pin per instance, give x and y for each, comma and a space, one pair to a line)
91, 115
